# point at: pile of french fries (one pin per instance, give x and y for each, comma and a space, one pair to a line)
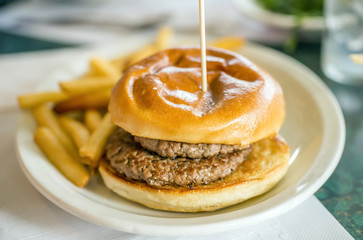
73, 123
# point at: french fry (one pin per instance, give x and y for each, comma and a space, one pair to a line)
357, 58
230, 43
89, 85
78, 131
34, 99
95, 146
120, 63
45, 117
163, 38
76, 115
94, 100
103, 67
60, 158
90, 78
92, 118
146, 51
90, 73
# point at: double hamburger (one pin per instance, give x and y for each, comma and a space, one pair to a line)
178, 148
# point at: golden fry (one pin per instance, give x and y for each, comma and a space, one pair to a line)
98, 100
45, 117
89, 85
120, 63
58, 155
34, 99
103, 67
230, 43
76, 130
76, 115
90, 78
146, 51
164, 38
92, 118
95, 146
90, 73
357, 58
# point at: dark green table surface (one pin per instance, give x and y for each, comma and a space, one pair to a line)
342, 194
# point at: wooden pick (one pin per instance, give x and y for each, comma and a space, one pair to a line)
202, 45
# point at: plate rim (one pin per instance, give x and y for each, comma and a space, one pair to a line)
228, 224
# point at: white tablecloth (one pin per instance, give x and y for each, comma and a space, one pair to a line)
26, 214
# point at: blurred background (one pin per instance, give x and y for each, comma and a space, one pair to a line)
91, 21
295, 27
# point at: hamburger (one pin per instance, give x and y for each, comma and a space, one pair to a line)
178, 148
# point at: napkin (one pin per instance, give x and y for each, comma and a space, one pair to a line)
26, 214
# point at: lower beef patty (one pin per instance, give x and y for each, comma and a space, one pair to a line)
179, 149
129, 158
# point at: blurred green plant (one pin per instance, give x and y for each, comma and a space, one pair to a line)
297, 8
294, 7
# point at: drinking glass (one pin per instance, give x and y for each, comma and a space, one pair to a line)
343, 37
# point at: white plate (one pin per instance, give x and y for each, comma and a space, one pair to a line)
253, 10
314, 128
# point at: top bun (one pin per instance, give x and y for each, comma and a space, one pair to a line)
161, 97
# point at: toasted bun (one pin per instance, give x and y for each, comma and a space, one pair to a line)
267, 164
161, 97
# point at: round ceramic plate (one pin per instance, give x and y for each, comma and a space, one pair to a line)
253, 10
314, 129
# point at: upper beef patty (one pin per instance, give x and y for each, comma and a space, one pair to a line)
129, 158
179, 149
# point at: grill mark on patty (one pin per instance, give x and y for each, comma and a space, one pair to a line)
130, 159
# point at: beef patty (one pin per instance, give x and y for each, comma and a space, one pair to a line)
130, 159
178, 149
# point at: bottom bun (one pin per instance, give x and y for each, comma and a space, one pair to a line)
265, 166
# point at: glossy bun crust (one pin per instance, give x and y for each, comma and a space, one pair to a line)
266, 165
161, 97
